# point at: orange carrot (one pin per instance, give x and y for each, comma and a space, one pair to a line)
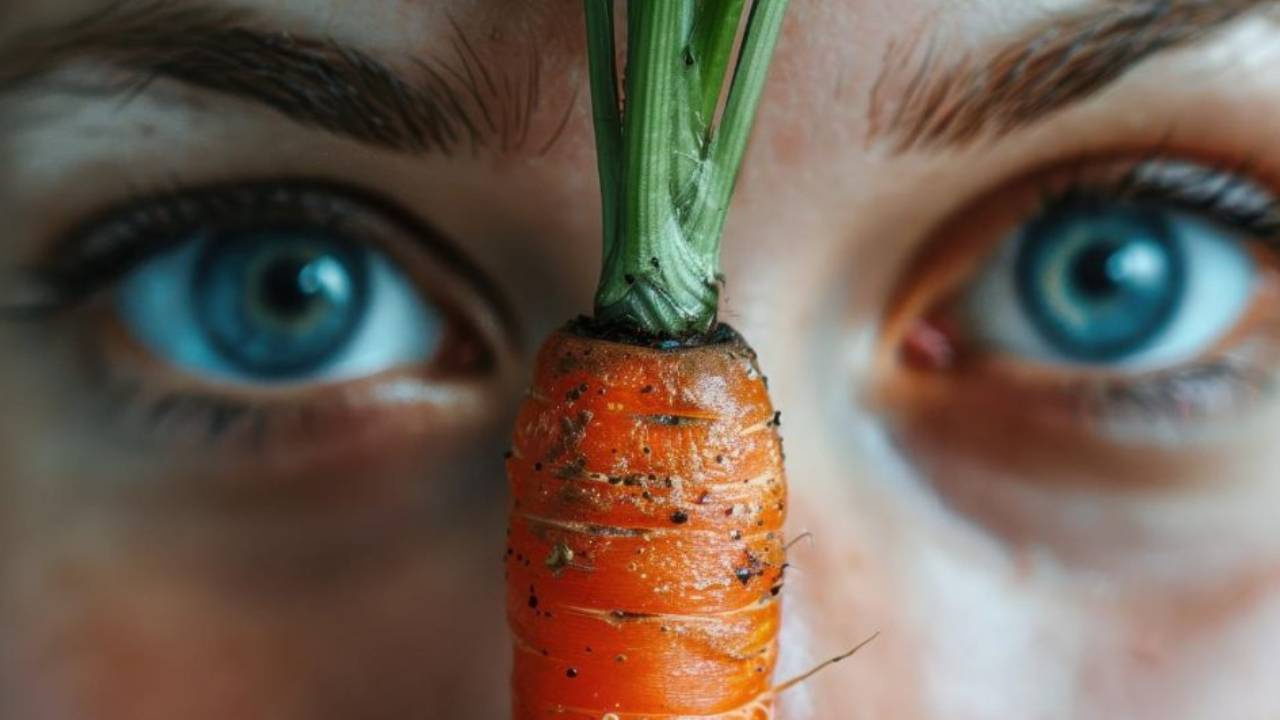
645, 552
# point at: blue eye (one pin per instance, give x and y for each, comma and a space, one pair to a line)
1113, 283
280, 304
275, 306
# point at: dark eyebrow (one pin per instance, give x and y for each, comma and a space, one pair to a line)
459, 100
1046, 69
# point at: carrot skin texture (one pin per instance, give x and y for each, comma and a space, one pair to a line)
645, 550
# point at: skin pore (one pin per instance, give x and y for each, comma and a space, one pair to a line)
173, 544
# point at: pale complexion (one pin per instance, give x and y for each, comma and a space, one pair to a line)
1017, 561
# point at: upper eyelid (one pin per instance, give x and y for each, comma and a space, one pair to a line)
61, 276
1234, 193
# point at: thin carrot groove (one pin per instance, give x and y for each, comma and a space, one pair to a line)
671, 420
586, 529
762, 480
617, 617
758, 426
754, 711
647, 533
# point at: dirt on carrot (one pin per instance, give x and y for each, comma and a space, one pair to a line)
645, 554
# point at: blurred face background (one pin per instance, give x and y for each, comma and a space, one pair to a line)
272, 273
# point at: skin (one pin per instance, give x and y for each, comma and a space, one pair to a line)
1069, 574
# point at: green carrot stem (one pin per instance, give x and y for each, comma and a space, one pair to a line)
667, 169
606, 112
711, 48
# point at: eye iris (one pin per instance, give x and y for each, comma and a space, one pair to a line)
280, 303
1101, 283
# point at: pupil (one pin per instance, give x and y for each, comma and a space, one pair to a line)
1096, 274
285, 291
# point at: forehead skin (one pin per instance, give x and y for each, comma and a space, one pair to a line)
830, 57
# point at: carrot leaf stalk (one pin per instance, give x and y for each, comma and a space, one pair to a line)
669, 158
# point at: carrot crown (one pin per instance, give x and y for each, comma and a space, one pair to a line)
669, 161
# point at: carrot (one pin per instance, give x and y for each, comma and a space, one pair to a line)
645, 552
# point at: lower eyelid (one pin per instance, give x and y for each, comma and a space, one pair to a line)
143, 405
1228, 388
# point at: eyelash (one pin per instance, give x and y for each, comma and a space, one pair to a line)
107, 246
1225, 195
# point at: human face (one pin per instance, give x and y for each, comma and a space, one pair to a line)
1011, 268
